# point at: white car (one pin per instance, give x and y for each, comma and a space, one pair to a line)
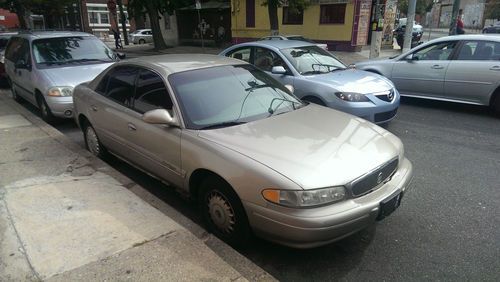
416, 27
141, 36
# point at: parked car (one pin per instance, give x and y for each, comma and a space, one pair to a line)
4, 38
463, 68
319, 77
399, 34
295, 37
255, 157
44, 67
416, 26
492, 29
141, 36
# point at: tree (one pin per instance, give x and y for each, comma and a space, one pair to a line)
492, 10
423, 6
153, 8
272, 9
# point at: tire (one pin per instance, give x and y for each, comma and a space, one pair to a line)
223, 213
92, 142
496, 104
314, 100
142, 41
45, 111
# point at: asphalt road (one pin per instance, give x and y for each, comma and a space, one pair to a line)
447, 227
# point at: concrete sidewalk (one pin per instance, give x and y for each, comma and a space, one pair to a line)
67, 216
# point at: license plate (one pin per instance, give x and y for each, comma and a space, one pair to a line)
390, 204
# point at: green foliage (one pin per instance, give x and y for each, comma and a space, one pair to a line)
422, 6
492, 9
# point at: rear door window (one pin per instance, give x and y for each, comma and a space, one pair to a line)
13, 47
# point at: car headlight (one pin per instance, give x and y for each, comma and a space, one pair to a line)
61, 91
352, 97
305, 198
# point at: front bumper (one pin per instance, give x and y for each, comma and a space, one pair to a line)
376, 111
60, 106
308, 228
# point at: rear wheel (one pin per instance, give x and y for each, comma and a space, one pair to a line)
45, 111
496, 103
142, 41
223, 212
314, 100
92, 142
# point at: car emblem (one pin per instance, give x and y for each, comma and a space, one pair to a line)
390, 95
379, 178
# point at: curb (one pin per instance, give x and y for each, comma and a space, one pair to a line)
244, 266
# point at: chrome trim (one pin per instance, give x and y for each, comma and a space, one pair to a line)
364, 176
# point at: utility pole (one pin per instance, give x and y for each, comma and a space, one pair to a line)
454, 16
410, 17
124, 21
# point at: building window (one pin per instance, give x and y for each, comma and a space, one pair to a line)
332, 14
93, 18
250, 8
292, 16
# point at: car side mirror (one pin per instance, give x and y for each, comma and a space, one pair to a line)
121, 56
21, 64
160, 116
290, 88
278, 70
412, 57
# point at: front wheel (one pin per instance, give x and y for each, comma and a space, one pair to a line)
223, 212
45, 111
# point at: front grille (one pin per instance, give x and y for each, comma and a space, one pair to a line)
387, 96
385, 115
367, 182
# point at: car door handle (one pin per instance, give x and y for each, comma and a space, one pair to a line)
131, 127
437, 67
495, 68
94, 108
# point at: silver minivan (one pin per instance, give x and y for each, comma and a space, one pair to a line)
44, 67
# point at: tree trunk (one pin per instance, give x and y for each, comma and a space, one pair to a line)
21, 13
154, 19
272, 8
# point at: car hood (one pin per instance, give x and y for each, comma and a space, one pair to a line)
314, 146
352, 80
74, 75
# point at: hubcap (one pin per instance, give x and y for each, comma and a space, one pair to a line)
43, 108
92, 141
221, 212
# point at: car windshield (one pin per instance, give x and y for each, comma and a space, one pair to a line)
310, 60
229, 95
71, 50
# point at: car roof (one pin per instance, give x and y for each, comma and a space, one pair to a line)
494, 37
279, 44
173, 63
50, 34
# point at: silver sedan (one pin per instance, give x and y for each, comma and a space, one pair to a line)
321, 78
256, 158
141, 36
463, 68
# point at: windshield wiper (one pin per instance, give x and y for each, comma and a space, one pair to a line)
271, 110
222, 124
86, 60
257, 86
313, 72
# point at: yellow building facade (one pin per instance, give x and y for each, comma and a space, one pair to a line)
342, 24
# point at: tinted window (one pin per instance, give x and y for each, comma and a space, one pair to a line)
439, 51
103, 84
241, 54
121, 85
13, 48
151, 93
266, 59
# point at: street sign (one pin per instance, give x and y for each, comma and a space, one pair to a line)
198, 5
